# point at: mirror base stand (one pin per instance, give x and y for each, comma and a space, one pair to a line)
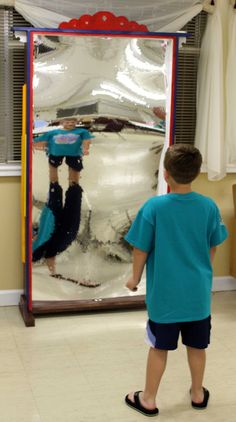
105, 304
80, 306
27, 315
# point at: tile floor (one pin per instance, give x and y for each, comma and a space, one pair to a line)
78, 368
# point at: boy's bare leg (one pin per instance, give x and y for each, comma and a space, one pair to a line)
73, 176
53, 174
156, 365
197, 363
51, 263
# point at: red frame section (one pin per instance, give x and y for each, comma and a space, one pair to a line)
105, 21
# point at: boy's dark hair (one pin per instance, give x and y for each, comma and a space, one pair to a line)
183, 162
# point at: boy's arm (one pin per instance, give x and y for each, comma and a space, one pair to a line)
212, 253
41, 145
139, 261
40, 142
86, 145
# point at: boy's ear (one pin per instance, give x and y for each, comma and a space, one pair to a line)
166, 175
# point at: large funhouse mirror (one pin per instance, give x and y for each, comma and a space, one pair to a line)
100, 114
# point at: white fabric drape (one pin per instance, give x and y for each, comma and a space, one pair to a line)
210, 128
216, 122
161, 15
231, 90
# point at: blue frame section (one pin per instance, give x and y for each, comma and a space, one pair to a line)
89, 32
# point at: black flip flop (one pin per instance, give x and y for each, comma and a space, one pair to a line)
204, 403
136, 405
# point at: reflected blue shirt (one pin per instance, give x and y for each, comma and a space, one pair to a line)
177, 231
61, 142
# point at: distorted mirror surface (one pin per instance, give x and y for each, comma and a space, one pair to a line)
99, 107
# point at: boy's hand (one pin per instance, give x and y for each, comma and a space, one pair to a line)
132, 285
85, 151
86, 145
39, 145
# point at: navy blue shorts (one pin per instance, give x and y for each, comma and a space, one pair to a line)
76, 163
165, 336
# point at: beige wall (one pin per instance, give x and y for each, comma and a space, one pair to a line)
10, 234
10, 226
221, 192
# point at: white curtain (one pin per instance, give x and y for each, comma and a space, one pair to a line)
158, 15
231, 90
210, 103
210, 128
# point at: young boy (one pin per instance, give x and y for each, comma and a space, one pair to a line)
176, 236
69, 142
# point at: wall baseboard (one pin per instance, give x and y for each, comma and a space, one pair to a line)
10, 297
220, 284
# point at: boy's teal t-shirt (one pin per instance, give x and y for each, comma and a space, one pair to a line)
177, 231
61, 142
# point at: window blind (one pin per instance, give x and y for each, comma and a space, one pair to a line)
187, 80
12, 71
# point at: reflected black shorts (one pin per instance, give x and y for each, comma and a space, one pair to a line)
76, 163
165, 336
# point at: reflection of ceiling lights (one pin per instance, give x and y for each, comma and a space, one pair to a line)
136, 156
139, 63
120, 179
125, 80
136, 49
52, 68
103, 92
35, 81
112, 91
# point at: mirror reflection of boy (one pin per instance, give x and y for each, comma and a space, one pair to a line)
69, 143
59, 224
58, 228
176, 235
